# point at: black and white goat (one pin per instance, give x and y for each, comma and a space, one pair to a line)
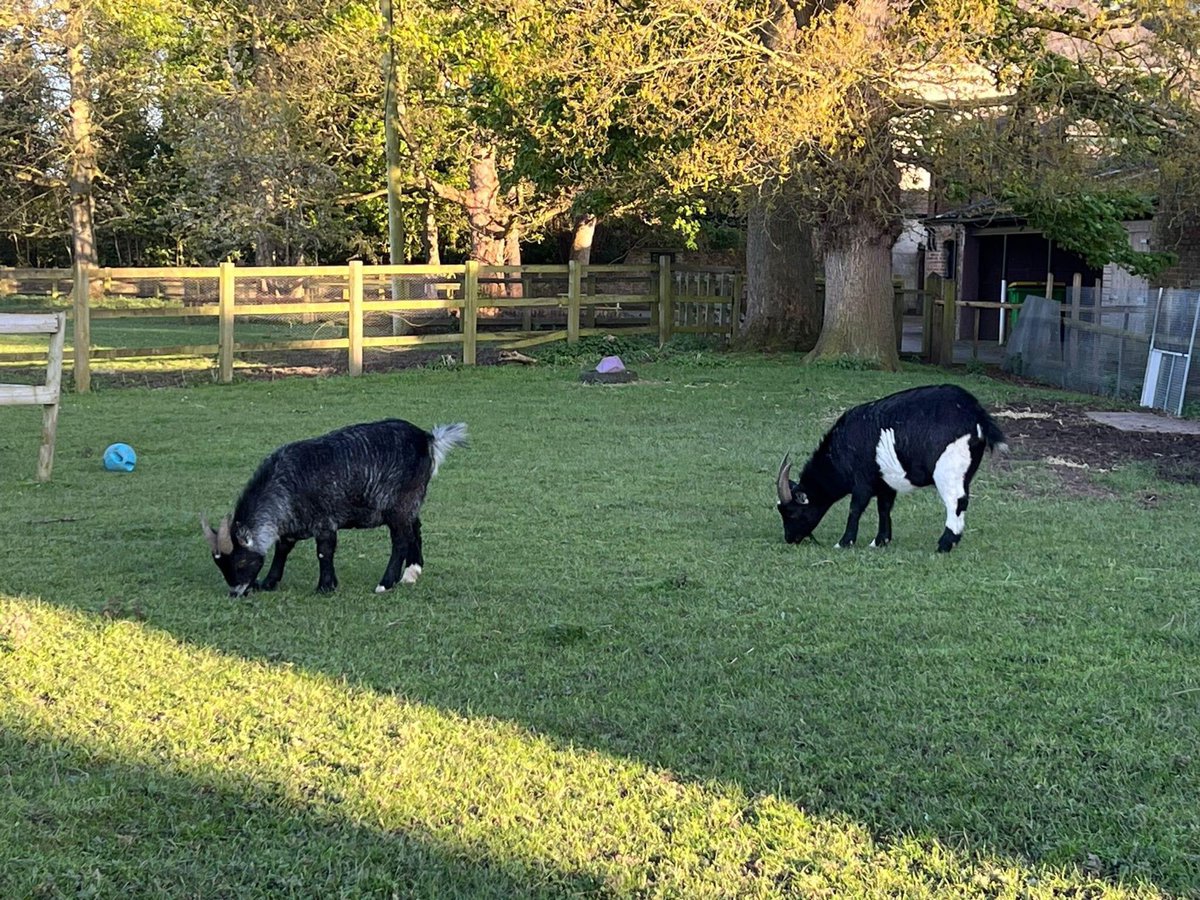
928, 435
362, 476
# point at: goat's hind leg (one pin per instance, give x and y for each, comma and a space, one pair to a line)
326, 546
952, 475
414, 559
404, 565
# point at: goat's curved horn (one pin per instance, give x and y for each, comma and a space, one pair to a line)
224, 538
209, 534
781, 480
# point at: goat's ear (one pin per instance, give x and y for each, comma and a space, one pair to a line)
209, 535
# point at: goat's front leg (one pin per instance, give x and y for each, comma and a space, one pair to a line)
405, 563
278, 561
884, 501
326, 547
859, 501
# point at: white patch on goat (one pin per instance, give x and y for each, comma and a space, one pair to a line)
950, 476
890, 470
380, 589
979, 430
411, 574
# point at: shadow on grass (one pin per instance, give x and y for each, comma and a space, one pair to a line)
82, 826
134, 762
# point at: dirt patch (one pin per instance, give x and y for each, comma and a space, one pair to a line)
1077, 446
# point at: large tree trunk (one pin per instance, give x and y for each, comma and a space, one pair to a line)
858, 299
82, 173
512, 257
486, 214
858, 233
581, 239
782, 309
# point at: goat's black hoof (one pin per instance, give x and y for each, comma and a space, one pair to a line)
268, 585
327, 588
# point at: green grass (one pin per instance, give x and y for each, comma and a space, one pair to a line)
614, 678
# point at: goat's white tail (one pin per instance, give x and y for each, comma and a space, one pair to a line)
446, 438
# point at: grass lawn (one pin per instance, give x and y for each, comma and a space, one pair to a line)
613, 679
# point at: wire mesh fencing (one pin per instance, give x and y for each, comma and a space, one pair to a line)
1105, 347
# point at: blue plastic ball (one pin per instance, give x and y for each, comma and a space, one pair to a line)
119, 458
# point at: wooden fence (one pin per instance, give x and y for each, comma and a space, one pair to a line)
509, 306
943, 324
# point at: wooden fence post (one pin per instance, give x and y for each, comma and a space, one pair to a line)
666, 313
1072, 332
527, 292
82, 328
354, 330
226, 286
898, 313
735, 306
949, 321
590, 293
932, 287
573, 290
54, 363
470, 312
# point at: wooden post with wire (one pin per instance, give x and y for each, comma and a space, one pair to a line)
226, 287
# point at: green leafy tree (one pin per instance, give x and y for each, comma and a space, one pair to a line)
84, 108
824, 104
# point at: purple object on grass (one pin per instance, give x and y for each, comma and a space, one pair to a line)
610, 364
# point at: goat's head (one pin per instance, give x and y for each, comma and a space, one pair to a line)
234, 554
800, 517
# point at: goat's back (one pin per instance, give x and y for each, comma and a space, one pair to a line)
341, 475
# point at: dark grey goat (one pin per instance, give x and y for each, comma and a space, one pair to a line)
361, 476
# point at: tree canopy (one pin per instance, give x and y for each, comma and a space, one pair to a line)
257, 130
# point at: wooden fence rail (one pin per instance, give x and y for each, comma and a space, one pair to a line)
631, 298
45, 395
